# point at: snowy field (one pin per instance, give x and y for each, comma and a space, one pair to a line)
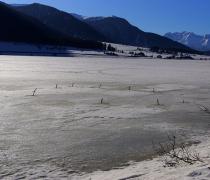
102, 115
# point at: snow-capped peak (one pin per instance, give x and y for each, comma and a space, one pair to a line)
198, 42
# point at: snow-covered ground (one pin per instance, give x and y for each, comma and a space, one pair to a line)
12, 48
154, 169
66, 133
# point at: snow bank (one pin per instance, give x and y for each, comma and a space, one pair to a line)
154, 169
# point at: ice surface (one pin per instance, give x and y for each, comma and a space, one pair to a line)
66, 130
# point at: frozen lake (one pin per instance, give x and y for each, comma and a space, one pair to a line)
66, 129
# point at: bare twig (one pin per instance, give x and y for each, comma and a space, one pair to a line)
102, 100
132, 177
34, 92
205, 109
158, 102
173, 154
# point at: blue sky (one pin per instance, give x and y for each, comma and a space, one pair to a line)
159, 16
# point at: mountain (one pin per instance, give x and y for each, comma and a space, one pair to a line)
17, 27
61, 21
121, 31
192, 40
110, 29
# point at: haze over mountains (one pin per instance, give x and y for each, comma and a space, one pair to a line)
110, 29
192, 40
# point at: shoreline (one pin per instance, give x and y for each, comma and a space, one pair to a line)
154, 169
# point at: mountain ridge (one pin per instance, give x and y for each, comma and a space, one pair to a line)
121, 31
192, 40
107, 29
18, 27
61, 21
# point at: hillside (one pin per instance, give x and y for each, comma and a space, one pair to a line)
121, 31
16, 27
61, 21
110, 29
